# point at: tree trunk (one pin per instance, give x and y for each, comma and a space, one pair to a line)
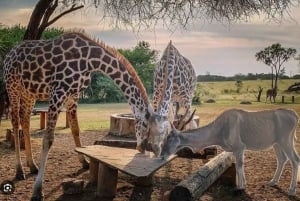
260, 90
34, 31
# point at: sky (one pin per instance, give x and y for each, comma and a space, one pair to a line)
214, 48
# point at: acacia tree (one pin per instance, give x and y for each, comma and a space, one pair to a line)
41, 16
275, 56
148, 13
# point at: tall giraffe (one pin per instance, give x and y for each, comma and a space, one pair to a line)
58, 70
174, 84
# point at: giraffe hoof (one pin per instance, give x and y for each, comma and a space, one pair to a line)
238, 192
20, 176
37, 198
34, 169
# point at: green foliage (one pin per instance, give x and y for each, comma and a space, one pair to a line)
102, 90
143, 59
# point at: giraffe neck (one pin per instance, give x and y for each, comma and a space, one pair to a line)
168, 62
108, 61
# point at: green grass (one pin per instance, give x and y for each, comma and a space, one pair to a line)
226, 91
97, 116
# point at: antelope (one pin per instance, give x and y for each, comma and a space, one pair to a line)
271, 93
237, 130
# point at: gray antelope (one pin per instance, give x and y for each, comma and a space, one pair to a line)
237, 130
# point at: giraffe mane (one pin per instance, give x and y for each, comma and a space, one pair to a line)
122, 60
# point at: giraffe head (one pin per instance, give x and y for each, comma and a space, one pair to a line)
158, 129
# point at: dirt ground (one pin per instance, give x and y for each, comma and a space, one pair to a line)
63, 163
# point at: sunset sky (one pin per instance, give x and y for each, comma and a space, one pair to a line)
215, 48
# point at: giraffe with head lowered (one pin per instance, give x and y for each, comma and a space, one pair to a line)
57, 70
174, 83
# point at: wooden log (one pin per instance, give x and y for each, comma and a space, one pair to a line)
107, 181
194, 186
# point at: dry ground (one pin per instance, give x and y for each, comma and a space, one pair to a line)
63, 163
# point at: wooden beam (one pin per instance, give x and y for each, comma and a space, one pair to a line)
196, 184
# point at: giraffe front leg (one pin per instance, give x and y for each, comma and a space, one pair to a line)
73, 122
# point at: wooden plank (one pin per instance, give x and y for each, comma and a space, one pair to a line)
129, 161
195, 185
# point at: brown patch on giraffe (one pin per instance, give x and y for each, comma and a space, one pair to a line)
67, 44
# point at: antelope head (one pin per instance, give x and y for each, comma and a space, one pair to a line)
171, 144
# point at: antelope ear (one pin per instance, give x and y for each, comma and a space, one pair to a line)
174, 130
149, 112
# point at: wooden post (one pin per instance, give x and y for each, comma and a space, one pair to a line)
197, 183
93, 169
42, 120
293, 99
282, 99
144, 181
107, 181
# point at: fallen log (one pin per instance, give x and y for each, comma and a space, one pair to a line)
196, 184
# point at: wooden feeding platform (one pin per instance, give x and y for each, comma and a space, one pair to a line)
43, 111
122, 134
105, 162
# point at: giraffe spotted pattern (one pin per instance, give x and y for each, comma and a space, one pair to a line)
57, 70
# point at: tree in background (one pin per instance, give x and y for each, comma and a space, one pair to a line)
275, 56
148, 13
239, 85
143, 58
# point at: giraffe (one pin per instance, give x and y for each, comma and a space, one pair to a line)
174, 82
57, 70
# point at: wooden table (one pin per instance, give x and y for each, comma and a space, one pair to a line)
43, 111
105, 162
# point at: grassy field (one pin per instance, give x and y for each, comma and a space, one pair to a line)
227, 91
97, 116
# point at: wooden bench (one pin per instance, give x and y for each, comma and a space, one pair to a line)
105, 162
43, 111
